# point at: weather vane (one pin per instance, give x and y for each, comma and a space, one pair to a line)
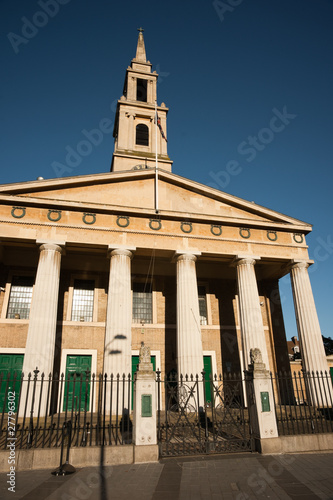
141, 30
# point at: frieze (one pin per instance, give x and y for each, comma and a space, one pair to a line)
200, 229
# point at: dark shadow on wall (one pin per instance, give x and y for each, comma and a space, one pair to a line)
170, 319
229, 344
63, 287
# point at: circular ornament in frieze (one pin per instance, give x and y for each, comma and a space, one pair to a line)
89, 218
272, 235
298, 238
216, 229
54, 215
186, 227
123, 221
155, 224
245, 232
18, 212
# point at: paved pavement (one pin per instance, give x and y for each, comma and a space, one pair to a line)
231, 477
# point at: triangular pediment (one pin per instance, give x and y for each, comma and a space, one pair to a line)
134, 192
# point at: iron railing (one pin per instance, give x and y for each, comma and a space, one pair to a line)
303, 402
196, 415
34, 409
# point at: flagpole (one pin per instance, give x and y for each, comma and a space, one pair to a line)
156, 162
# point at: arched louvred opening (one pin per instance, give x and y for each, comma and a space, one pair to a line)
142, 135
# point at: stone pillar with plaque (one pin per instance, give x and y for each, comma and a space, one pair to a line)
260, 398
144, 409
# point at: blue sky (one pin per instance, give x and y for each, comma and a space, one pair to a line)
226, 69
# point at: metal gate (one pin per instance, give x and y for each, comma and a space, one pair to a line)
188, 423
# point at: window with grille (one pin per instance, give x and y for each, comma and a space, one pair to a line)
83, 300
142, 303
20, 297
202, 305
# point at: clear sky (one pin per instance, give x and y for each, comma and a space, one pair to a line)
226, 69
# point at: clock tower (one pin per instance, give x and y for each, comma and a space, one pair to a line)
136, 136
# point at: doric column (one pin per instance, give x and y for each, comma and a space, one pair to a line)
251, 324
40, 346
189, 343
313, 352
312, 348
118, 333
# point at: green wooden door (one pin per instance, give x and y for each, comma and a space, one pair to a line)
77, 383
10, 364
208, 375
135, 362
331, 370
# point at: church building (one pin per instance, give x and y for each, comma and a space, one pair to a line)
94, 265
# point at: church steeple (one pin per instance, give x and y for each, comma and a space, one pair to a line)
140, 49
135, 129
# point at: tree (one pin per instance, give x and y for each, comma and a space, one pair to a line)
328, 344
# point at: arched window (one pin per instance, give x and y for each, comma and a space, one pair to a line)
142, 135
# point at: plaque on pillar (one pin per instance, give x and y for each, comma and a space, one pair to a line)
265, 405
146, 405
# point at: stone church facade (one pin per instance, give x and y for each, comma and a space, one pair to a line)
94, 265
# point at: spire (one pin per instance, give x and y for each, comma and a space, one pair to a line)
140, 50
137, 140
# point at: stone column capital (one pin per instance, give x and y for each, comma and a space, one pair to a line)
299, 264
50, 247
242, 260
56, 246
181, 255
126, 251
186, 257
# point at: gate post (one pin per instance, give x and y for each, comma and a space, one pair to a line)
144, 410
260, 402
